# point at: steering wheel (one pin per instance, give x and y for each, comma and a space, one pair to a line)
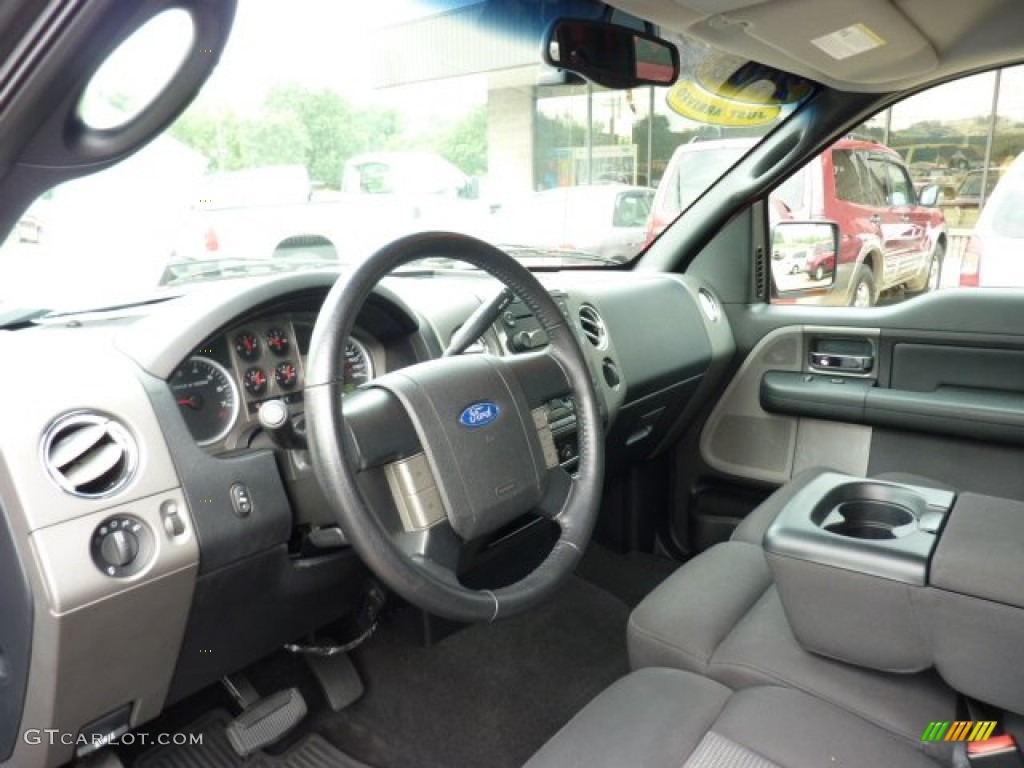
458, 446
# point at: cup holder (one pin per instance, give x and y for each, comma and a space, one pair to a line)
868, 519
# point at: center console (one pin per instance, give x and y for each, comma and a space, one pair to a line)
902, 578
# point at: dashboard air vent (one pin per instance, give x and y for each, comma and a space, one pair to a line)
89, 454
593, 327
760, 275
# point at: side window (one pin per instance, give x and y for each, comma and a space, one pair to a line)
847, 177
876, 186
631, 210
898, 190
965, 137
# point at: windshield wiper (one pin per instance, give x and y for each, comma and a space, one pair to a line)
196, 270
564, 254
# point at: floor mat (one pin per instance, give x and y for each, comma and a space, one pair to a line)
630, 577
490, 695
312, 751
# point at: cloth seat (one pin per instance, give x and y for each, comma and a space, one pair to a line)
720, 616
667, 718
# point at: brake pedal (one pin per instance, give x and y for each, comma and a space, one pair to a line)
266, 721
338, 679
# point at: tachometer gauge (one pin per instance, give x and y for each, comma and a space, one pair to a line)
277, 340
255, 381
207, 398
286, 374
358, 366
247, 346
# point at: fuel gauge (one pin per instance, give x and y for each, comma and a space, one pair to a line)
277, 340
255, 381
247, 346
286, 374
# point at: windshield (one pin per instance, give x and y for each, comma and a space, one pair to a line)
329, 129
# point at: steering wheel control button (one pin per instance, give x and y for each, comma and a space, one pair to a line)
241, 501
170, 514
414, 492
122, 546
413, 474
547, 438
421, 510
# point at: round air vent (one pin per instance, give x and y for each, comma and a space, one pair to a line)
709, 305
89, 454
593, 327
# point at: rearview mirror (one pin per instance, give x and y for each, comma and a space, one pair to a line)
610, 55
804, 255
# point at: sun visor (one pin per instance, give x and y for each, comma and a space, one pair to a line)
868, 43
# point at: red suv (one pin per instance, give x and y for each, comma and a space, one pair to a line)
887, 238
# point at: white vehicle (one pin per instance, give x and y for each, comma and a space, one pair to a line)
993, 258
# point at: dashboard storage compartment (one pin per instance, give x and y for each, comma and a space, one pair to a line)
850, 558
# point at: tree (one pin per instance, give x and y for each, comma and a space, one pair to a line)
464, 143
663, 143
328, 121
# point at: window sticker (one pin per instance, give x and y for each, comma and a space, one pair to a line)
849, 41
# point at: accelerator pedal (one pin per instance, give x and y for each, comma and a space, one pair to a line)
266, 721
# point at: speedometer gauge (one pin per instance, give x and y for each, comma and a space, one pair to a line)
358, 366
207, 398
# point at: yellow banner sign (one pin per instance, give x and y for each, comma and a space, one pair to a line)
691, 101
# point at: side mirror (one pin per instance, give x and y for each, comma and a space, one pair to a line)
805, 255
610, 55
929, 196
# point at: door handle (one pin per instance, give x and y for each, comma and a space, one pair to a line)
876, 220
851, 363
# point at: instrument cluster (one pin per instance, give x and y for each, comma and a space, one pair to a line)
223, 385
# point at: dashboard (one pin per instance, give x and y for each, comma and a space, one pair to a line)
153, 537
220, 387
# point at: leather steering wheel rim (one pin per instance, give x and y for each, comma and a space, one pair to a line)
418, 581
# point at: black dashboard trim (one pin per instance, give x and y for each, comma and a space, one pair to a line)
159, 342
224, 537
17, 610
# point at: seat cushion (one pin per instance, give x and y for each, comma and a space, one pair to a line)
667, 718
720, 615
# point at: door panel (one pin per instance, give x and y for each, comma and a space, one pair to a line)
744, 440
944, 399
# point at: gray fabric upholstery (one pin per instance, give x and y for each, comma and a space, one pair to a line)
715, 751
754, 525
793, 729
853, 617
665, 718
977, 646
762, 650
979, 552
720, 615
654, 717
682, 622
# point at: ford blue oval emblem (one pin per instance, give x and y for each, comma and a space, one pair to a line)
478, 414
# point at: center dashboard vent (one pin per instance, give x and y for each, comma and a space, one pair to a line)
89, 454
592, 325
